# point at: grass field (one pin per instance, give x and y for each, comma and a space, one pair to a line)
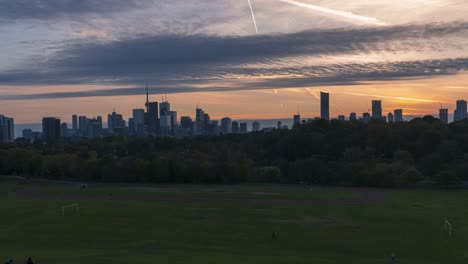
230, 224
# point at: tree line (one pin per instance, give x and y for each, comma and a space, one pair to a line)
319, 152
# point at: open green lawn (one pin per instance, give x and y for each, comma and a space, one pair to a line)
230, 224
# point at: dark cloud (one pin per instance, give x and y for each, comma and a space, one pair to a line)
46, 9
175, 62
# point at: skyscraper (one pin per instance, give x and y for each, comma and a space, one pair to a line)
255, 126
390, 117
83, 124
94, 128
461, 111
235, 127
398, 115
7, 129
75, 122
64, 130
352, 116
226, 125
50, 129
341, 118
115, 121
443, 115
376, 109
296, 120
243, 128
151, 118
164, 108
325, 106
138, 122
173, 115
199, 128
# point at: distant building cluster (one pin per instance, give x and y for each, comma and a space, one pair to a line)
158, 119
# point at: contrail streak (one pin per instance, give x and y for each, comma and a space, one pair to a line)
253, 16
342, 14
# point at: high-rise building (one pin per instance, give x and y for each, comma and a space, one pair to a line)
443, 115
243, 128
352, 116
83, 124
186, 125
325, 106
152, 118
341, 118
164, 108
186, 122
94, 128
75, 122
199, 128
398, 115
173, 115
376, 109
226, 125
296, 120
115, 121
138, 122
366, 117
461, 111
50, 129
99, 119
235, 127
279, 125
7, 129
390, 117
255, 126
64, 130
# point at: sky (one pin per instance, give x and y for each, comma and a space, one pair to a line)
87, 57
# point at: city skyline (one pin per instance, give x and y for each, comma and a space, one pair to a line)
85, 57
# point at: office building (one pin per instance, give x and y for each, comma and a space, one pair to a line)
173, 116
152, 118
390, 117
296, 120
75, 122
115, 121
279, 125
255, 126
138, 122
398, 115
83, 124
99, 119
94, 128
443, 115
50, 129
243, 128
199, 127
7, 129
235, 127
341, 118
461, 110
352, 117
366, 117
226, 125
64, 130
186, 122
325, 106
376, 109
164, 108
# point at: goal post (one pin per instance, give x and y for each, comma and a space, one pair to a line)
74, 207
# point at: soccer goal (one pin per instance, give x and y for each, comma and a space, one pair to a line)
74, 207
448, 227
